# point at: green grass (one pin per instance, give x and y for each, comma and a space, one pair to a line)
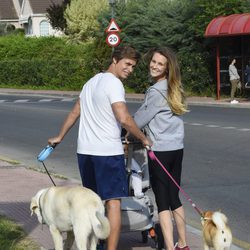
12, 236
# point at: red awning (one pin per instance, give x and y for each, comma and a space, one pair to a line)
233, 25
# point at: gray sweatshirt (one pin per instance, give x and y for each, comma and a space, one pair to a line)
165, 129
233, 73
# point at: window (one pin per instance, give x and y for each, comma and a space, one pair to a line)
44, 28
29, 27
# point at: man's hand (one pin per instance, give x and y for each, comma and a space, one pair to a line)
54, 141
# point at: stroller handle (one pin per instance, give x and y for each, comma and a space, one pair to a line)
126, 141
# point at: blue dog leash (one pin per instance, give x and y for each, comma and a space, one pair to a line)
43, 156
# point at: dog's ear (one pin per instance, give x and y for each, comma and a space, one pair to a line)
33, 205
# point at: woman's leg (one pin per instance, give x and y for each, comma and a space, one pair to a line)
179, 217
166, 223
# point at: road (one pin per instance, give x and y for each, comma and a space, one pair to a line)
216, 173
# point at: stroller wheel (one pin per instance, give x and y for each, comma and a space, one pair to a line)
159, 237
144, 235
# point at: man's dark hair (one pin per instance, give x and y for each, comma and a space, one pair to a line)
230, 59
125, 52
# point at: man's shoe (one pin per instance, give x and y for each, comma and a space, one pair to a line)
100, 245
234, 102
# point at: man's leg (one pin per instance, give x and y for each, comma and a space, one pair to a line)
114, 215
233, 89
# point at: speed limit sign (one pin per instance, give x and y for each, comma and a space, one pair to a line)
113, 39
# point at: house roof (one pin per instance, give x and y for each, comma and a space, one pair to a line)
7, 10
40, 6
232, 25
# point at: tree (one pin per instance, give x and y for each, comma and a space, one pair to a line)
178, 24
81, 17
205, 11
56, 15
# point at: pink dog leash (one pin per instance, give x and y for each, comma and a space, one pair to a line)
154, 158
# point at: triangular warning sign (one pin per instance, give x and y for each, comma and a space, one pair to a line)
113, 27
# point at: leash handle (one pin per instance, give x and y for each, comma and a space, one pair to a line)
45, 152
154, 158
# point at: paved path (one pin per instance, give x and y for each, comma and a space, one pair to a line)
18, 184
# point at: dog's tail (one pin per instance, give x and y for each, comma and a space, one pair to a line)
101, 226
220, 220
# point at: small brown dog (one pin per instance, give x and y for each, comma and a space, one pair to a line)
216, 232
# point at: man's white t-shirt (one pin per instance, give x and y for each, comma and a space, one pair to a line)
99, 131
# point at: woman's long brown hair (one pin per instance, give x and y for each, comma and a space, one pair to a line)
175, 93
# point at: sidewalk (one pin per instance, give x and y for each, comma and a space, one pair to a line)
19, 184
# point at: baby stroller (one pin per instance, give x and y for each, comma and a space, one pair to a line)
138, 208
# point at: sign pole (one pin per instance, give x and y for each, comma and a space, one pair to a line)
113, 38
112, 3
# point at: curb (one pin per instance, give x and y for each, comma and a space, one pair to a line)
133, 97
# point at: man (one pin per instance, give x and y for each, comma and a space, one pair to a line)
247, 73
102, 111
234, 79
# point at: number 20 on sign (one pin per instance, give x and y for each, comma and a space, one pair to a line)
113, 39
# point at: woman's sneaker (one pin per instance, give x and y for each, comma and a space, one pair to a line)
176, 247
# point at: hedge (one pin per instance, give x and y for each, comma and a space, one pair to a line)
46, 62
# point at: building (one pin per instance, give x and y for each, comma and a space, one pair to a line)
29, 15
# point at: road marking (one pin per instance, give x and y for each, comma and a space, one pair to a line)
229, 127
212, 126
244, 129
217, 126
38, 100
68, 99
45, 100
196, 124
21, 101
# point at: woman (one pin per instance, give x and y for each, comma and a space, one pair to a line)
234, 79
160, 116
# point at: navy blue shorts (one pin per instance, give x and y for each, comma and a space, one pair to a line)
105, 175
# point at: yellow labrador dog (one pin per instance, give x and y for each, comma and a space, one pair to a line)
75, 210
216, 232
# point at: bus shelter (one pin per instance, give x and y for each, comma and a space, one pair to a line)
232, 39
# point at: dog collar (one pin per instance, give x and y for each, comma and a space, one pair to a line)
40, 209
205, 218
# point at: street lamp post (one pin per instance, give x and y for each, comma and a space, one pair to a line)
112, 5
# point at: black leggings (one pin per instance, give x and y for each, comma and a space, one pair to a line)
165, 191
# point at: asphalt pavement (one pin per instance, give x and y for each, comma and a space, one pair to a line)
19, 184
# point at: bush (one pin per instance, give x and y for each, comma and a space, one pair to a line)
55, 74
46, 62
